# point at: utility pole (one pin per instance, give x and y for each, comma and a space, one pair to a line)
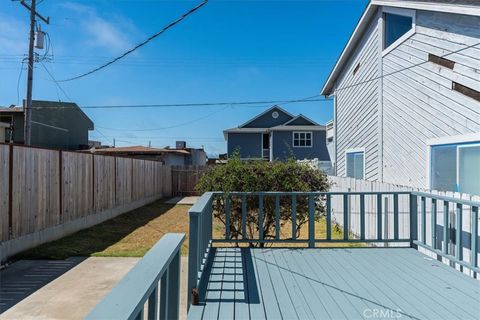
31, 59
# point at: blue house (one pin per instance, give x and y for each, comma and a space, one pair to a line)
275, 134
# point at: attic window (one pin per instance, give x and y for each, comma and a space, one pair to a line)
441, 61
474, 94
356, 68
396, 26
274, 114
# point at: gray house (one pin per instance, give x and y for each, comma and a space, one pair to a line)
406, 94
275, 134
58, 125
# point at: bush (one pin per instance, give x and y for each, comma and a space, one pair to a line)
252, 176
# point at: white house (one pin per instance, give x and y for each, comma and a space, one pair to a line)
406, 94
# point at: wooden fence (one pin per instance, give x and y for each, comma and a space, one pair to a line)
185, 178
43, 188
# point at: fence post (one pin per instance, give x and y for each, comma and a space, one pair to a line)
413, 220
60, 186
174, 288
10, 192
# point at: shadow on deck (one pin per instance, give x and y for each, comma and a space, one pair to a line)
317, 283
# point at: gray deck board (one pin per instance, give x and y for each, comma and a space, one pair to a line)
279, 283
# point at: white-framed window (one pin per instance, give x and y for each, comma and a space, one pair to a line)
355, 163
398, 25
454, 164
302, 139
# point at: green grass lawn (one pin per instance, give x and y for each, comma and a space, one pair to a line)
134, 233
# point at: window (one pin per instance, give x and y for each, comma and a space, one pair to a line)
455, 167
396, 26
302, 139
355, 164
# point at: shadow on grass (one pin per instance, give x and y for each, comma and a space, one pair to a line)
95, 240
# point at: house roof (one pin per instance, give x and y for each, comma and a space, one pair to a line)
265, 112
466, 7
11, 109
301, 116
138, 150
298, 128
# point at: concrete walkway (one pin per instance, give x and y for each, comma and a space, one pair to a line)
183, 200
74, 294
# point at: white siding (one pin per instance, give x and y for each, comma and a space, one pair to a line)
393, 118
419, 103
357, 107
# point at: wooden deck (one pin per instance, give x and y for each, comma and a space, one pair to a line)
357, 283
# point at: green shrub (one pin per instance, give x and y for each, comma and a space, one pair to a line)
251, 176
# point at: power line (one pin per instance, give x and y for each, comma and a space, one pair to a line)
404, 69
206, 104
182, 17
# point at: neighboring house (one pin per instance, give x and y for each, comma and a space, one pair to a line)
278, 135
3, 131
168, 156
406, 94
59, 125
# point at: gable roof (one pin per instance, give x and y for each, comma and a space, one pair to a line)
466, 7
295, 121
265, 112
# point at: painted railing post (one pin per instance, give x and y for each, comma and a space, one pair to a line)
329, 217
395, 217
227, 217
434, 223
192, 257
260, 217
346, 213
244, 217
446, 233
164, 295
473, 246
153, 305
277, 217
311, 221
294, 217
174, 288
424, 219
362, 217
413, 219
379, 216
458, 233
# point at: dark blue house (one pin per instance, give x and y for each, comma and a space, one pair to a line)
277, 135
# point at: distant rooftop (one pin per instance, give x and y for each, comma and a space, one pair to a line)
138, 150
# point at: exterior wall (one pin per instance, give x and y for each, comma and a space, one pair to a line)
419, 104
197, 157
70, 119
2, 134
267, 121
17, 125
282, 147
172, 159
248, 144
357, 108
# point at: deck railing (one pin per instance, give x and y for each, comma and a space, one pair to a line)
407, 218
155, 278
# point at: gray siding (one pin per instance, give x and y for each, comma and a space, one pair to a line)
282, 147
248, 144
267, 121
357, 107
419, 103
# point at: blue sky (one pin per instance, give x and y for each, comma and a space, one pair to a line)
227, 51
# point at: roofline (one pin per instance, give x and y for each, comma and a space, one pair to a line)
356, 34
266, 111
368, 13
304, 117
298, 128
